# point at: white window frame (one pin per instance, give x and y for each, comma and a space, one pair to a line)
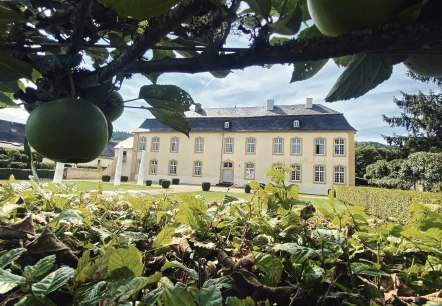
295, 173
339, 175
197, 168
199, 145
173, 167
249, 171
319, 146
229, 143
339, 147
142, 143
296, 123
278, 146
319, 174
250, 145
174, 144
153, 167
296, 146
155, 144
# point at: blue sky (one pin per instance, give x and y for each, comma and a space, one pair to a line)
254, 85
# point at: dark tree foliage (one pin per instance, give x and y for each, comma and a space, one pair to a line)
369, 154
422, 118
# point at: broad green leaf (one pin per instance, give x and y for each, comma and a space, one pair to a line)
53, 281
312, 275
32, 300
178, 295
172, 119
168, 97
276, 40
209, 296
11, 255
139, 9
164, 237
220, 282
305, 70
175, 264
366, 269
133, 286
130, 258
6, 100
363, 73
85, 268
8, 15
271, 266
92, 294
9, 281
40, 268
69, 214
227, 198
11, 86
12, 69
235, 301
288, 24
260, 7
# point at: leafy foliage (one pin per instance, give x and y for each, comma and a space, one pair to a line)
94, 249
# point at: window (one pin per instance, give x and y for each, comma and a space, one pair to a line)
172, 167
228, 165
320, 146
250, 171
250, 145
278, 144
197, 168
295, 123
174, 142
153, 167
142, 143
155, 144
277, 167
339, 146
228, 145
296, 146
319, 174
199, 145
339, 175
226, 124
295, 173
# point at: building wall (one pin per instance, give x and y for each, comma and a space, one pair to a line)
214, 156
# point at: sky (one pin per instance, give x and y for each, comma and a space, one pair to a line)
255, 85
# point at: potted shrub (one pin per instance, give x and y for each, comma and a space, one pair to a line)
148, 182
175, 181
165, 183
247, 188
124, 178
206, 186
106, 178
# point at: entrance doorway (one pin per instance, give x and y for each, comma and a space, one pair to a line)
227, 172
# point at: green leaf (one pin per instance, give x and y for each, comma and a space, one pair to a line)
10, 256
6, 100
164, 237
133, 286
305, 70
40, 268
260, 7
92, 294
168, 97
288, 24
139, 9
271, 266
11, 86
172, 119
12, 69
178, 295
53, 281
363, 73
312, 275
209, 296
235, 301
130, 258
175, 264
32, 300
8, 15
9, 281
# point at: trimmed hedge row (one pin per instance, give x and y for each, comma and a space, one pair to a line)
23, 174
386, 203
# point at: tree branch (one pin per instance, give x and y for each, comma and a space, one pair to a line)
391, 39
81, 15
150, 37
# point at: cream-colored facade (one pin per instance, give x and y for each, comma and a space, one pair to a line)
316, 159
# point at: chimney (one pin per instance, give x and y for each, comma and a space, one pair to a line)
309, 103
270, 104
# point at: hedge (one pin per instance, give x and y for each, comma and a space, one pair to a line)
23, 174
386, 203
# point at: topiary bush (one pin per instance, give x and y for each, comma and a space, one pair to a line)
205, 186
106, 178
175, 181
148, 182
18, 165
124, 178
247, 188
160, 181
165, 183
23, 174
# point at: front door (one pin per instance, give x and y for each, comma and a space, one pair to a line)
228, 176
227, 172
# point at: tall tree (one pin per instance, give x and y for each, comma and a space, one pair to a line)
422, 118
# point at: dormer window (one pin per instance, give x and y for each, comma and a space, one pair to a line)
296, 123
227, 125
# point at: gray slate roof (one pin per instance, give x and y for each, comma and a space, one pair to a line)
243, 119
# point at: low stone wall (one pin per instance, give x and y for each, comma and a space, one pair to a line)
82, 173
